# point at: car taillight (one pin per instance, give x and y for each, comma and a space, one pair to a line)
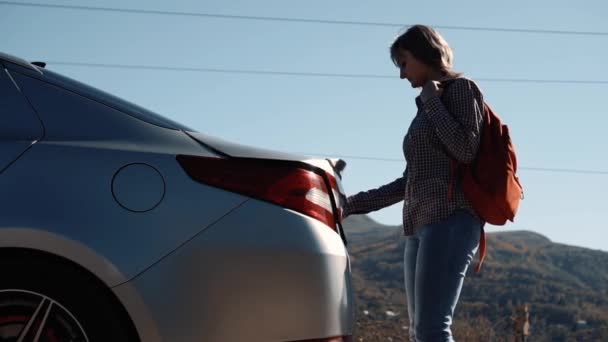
288, 184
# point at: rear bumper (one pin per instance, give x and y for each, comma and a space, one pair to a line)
262, 273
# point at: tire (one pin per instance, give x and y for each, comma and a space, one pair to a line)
73, 304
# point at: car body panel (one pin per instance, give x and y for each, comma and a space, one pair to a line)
248, 278
233, 149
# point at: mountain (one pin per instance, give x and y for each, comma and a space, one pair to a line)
565, 287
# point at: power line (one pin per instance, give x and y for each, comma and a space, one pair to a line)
557, 170
297, 20
536, 169
218, 70
351, 157
306, 74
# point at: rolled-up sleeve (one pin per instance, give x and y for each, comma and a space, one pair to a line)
458, 120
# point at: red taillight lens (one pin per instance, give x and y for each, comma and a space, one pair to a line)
278, 182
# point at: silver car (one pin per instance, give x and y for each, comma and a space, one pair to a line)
117, 224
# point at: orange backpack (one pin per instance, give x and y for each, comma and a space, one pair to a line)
489, 183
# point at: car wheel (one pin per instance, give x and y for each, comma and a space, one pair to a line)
51, 301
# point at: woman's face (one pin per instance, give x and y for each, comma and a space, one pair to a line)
412, 69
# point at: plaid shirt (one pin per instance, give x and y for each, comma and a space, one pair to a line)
443, 130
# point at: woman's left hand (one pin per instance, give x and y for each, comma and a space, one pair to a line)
430, 90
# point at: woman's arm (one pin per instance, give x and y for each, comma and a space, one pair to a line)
376, 199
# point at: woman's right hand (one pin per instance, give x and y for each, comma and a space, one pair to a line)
345, 212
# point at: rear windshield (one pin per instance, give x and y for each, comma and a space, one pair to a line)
113, 101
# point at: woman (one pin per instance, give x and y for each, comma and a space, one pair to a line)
442, 230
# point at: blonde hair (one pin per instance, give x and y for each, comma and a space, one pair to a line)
427, 46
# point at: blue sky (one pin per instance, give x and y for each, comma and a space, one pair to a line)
552, 125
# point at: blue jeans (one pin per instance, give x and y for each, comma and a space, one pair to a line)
436, 259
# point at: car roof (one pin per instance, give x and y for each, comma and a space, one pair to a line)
4, 57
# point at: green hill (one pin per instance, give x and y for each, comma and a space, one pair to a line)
565, 287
